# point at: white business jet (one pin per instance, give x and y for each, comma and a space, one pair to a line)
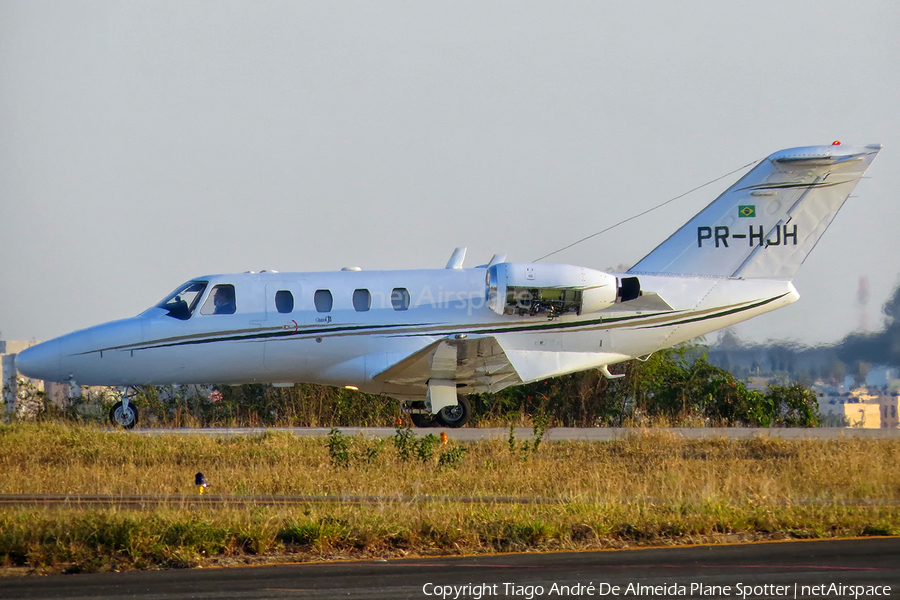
430, 337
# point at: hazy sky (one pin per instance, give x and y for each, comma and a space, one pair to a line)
146, 143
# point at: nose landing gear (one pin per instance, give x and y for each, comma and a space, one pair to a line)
123, 413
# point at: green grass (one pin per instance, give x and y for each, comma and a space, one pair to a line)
67, 540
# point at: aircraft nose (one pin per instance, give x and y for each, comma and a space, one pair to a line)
41, 361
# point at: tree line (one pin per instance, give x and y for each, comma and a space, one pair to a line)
672, 387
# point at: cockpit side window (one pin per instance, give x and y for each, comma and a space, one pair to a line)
220, 301
181, 303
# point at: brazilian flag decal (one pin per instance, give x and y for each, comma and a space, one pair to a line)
747, 211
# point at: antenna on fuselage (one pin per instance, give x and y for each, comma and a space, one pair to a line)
456, 261
649, 210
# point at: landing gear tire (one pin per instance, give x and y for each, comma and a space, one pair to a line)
423, 420
123, 417
456, 416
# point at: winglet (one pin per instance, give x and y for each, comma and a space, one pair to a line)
456, 261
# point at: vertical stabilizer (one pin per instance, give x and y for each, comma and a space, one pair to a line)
766, 224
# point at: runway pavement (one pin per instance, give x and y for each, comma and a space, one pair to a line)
594, 434
765, 570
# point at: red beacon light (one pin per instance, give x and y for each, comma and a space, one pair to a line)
836, 143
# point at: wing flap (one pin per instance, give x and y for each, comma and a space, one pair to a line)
485, 364
478, 363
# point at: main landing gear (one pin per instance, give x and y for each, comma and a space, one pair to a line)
449, 416
456, 416
424, 419
124, 413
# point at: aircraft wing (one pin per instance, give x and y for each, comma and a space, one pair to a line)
476, 364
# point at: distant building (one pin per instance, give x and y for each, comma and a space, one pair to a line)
860, 407
890, 407
758, 384
864, 415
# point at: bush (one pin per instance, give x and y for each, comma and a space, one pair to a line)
675, 386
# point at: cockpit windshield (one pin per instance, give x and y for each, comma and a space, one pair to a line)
182, 302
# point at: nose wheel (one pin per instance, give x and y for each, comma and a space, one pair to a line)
123, 413
123, 416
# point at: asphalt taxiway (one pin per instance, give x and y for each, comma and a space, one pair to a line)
761, 570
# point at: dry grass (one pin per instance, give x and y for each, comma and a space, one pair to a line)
87, 460
647, 488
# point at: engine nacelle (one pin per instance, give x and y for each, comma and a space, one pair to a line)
530, 289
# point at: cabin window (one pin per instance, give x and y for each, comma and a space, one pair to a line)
181, 303
324, 301
220, 301
284, 301
400, 298
362, 300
